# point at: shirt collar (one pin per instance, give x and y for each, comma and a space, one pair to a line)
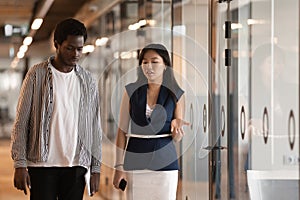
76, 68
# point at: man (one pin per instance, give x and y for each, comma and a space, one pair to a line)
57, 134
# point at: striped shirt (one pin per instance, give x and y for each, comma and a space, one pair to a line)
30, 134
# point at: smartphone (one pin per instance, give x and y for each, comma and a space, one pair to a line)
122, 184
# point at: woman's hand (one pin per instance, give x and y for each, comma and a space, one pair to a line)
177, 130
118, 176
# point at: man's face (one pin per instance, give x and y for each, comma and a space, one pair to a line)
70, 51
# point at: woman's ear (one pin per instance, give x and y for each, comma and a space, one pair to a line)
55, 44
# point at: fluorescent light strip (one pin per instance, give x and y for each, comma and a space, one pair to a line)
36, 23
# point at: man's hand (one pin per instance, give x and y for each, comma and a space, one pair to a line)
94, 183
22, 179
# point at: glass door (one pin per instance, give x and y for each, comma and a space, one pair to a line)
252, 141
192, 60
221, 151
259, 93
274, 117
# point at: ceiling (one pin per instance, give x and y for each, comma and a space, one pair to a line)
20, 14
16, 13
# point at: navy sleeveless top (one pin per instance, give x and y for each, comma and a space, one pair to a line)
155, 153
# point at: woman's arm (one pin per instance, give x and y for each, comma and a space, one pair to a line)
180, 108
121, 140
122, 129
178, 122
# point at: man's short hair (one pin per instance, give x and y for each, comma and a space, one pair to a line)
67, 27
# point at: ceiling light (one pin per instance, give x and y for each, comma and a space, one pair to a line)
255, 21
23, 48
37, 23
151, 22
14, 63
142, 22
20, 54
17, 30
11, 52
8, 30
116, 55
101, 41
234, 26
134, 26
88, 49
27, 41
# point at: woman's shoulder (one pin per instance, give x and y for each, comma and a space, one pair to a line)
179, 92
133, 87
176, 91
130, 88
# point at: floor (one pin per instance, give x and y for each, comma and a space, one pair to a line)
8, 192
107, 191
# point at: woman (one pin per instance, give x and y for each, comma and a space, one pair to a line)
153, 106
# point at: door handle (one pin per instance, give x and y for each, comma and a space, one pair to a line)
291, 126
265, 125
191, 116
223, 120
243, 122
204, 116
209, 148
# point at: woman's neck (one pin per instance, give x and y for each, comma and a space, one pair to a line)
154, 86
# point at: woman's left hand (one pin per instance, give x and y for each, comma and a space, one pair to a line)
177, 130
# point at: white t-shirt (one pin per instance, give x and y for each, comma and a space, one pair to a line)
148, 111
64, 122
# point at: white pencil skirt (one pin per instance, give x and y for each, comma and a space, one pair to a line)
152, 185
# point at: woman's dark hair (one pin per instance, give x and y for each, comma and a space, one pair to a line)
169, 80
67, 27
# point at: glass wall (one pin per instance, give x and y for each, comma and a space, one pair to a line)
254, 133
191, 45
238, 64
274, 151
124, 29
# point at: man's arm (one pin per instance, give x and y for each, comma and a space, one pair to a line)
19, 135
21, 124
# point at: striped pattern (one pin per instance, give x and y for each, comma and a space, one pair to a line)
30, 134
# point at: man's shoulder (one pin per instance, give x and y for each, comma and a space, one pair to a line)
39, 68
82, 70
85, 74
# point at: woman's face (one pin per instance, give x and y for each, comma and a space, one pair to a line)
153, 66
